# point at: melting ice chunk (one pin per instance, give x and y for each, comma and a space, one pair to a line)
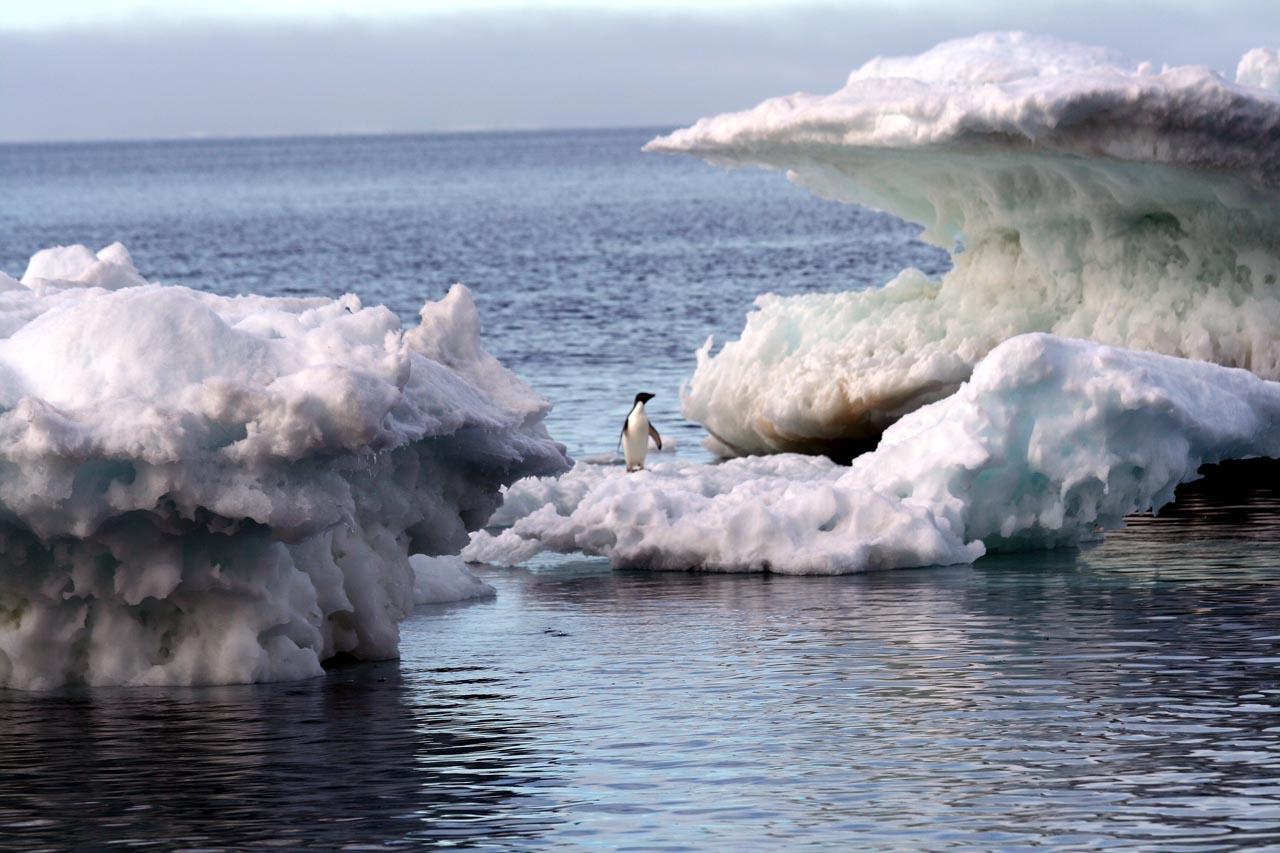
1049, 441
1096, 197
442, 580
197, 489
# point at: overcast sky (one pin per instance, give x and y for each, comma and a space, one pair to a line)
89, 69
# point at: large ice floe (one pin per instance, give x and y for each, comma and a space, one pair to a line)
1050, 441
1081, 193
199, 489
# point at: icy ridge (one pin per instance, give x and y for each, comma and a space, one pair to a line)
1012, 90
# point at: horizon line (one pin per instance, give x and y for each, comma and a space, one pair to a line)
335, 134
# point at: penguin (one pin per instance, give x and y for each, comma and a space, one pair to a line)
636, 430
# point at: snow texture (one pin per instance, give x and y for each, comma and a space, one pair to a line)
1051, 440
1260, 67
197, 489
444, 580
1081, 194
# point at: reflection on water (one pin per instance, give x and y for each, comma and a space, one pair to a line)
368, 752
1237, 500
1128, 693
1125, 693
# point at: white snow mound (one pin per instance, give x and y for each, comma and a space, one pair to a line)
1081, 193
444, 580
197, 489
1260, 67
1050, 441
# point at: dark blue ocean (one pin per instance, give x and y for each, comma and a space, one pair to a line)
1125, 695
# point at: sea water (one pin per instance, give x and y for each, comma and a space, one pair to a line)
1123, 694
598, 270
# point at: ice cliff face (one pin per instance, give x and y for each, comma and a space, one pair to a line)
1083, 194
1048, 442
197, 489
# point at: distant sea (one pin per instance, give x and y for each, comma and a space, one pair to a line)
598, 269
1127, 694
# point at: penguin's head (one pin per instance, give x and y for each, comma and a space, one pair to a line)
644, 397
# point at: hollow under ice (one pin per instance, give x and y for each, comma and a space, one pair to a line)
201, 489
1081, 193
1048, 442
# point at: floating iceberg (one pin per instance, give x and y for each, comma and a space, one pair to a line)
1048, 442
1083, 194
198, 489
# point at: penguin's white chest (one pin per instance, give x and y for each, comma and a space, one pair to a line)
635, 438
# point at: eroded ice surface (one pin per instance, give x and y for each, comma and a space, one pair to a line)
1083, 194
443, 580
1049, 441
200, 489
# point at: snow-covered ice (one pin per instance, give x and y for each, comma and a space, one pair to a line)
1260, 67
1081, 193
201, 489
1049, 441
443, 580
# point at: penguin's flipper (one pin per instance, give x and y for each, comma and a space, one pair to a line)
621, 434
654, 433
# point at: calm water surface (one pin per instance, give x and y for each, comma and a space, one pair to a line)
1123, 695
1126, 694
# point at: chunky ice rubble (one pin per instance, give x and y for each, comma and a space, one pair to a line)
1082, 194
197, 489
1049, 441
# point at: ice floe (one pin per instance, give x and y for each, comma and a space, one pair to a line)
200, 489
1050, 441
1081, 193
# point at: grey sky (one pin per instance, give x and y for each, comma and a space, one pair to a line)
436, 66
